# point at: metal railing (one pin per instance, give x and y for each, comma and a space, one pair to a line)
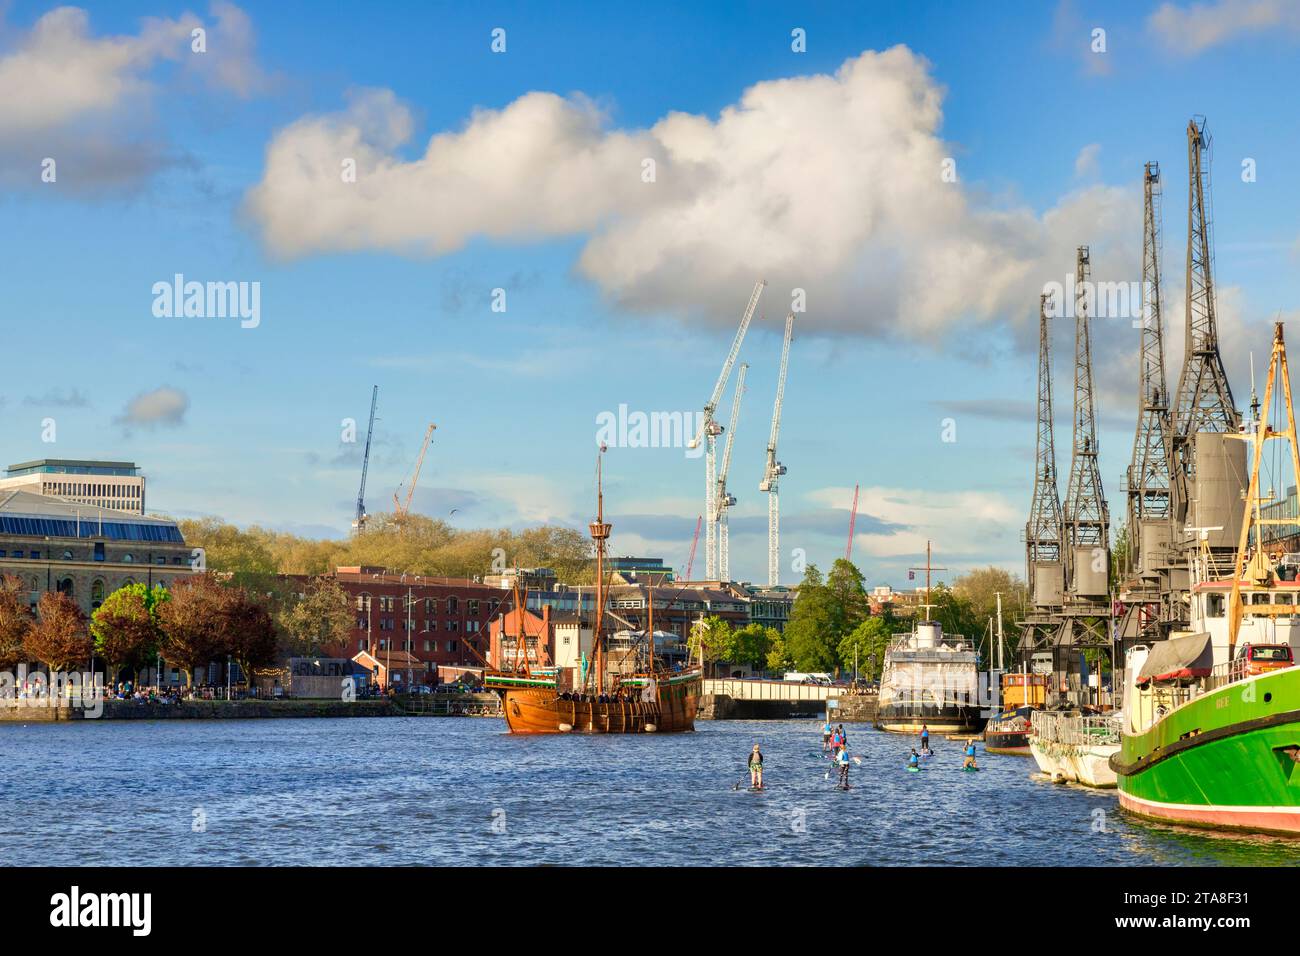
745, 689
1075, 729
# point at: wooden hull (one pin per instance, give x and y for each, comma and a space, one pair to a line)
540, 711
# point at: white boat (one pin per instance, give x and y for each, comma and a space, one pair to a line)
1072, 748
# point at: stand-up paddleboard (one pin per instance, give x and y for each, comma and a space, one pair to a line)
913, 769
970, 769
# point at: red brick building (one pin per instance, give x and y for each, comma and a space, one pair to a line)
440, 621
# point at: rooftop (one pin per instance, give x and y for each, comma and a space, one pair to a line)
27, 514
73, 466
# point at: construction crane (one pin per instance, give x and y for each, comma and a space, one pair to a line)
725, 499
359, 522
710, 430
402, 509
773, 469
1149, 472
695, 541
853, 520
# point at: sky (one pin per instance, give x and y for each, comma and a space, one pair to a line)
516, 220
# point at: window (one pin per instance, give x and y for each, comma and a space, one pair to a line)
1214, 605
65, 587
426, 645
96, 593
99, 551
35, 554
453, 625
472, 607
160, 560
451, 647
451, 605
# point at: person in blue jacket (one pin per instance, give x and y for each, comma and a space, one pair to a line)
970, 755
914, 760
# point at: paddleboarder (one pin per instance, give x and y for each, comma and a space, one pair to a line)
914, 760
756, 769
826, 735
970, 754
925, 737
842, 761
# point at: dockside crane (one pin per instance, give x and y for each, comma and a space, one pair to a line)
359, 522
1087, 520
1203, 402
402, 509
773, 469
710, 430
1149, 472
726, 500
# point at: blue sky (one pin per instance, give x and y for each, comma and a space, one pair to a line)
922, 294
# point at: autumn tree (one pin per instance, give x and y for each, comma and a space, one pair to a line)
125, 627
319, 623
191, 623
247, 633
59, 638
15, 621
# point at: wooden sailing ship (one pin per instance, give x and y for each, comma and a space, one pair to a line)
549, 700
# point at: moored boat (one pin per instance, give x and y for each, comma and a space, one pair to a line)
1072, 747
1212, 731
1008, 732
593, 700
930, 680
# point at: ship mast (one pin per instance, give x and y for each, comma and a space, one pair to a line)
1259, 568
600, 534
927, 569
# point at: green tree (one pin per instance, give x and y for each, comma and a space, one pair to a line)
869, 640
751, 644
779, 659
848, 594
715, 635
811, 634
125, 627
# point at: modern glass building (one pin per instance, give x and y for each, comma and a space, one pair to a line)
104, 484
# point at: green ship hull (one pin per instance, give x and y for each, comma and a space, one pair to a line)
1228, 759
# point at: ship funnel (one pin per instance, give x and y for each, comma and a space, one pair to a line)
928, 634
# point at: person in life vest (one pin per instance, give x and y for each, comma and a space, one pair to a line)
970, 754
756, 768
844, 738
925, 738
826, 735
842, 761
914, 760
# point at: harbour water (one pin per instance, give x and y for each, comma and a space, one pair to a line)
463, 792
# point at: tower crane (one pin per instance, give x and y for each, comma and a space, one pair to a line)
359, 522
773, 470
402, 509
710, 430
695, 541
725, 499
853, 522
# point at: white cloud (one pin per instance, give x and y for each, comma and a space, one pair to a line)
1085, 164
959, 523
831, 183
164, 406
83, 100
1194, 28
